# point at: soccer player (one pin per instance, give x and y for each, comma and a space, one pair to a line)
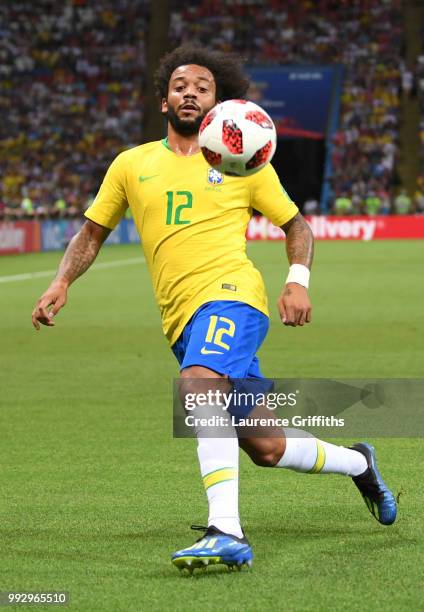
192, 223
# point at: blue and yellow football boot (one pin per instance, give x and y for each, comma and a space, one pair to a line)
214, 547
379, 499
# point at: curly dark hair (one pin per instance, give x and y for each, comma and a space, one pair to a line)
226, 68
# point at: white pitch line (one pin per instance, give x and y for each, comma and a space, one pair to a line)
99, 266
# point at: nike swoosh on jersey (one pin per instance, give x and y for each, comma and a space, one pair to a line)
142, 178
205, 351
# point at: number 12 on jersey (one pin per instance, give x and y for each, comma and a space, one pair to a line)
215, 335
176, 203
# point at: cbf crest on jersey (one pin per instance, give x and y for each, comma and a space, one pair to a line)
215, 177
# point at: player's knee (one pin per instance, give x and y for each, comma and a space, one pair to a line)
198, 380
265, 459
195, 372
268, 454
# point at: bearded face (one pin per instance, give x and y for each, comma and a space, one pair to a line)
191, 95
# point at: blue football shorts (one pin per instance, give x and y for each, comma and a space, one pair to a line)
223, 336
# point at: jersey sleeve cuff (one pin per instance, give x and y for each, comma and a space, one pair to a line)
287, 217
99, 220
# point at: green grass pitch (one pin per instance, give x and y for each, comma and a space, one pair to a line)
96, 494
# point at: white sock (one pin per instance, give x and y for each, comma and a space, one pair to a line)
219, 462
305, 453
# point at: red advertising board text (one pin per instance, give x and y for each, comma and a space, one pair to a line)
346, 228
19, 237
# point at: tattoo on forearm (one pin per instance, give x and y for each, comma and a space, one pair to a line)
78, 257
299, 241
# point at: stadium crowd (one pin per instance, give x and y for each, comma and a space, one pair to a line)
366, 37
69, 78
419, 74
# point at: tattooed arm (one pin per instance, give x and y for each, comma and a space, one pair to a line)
293, 304
299, 241
78, 257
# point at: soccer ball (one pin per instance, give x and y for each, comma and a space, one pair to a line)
237, 137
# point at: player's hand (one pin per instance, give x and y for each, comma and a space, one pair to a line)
49, 304
294, 305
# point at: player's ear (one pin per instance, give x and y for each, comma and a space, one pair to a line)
164, 106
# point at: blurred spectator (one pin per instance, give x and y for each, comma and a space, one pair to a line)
385, 206
402, 203
27, 206
343, 205
311, 207
60, 206
419, 202
407, 82
372, 204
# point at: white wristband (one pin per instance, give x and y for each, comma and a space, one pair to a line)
298, 274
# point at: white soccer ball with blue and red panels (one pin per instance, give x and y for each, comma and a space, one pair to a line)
237, 137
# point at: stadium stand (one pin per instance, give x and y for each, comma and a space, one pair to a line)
419, 74
70, 77
366, 37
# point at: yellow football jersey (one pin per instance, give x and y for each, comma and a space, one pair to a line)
192, 222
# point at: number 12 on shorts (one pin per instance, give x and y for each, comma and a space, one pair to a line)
215, 334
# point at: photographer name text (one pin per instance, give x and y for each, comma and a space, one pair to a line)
294, 421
